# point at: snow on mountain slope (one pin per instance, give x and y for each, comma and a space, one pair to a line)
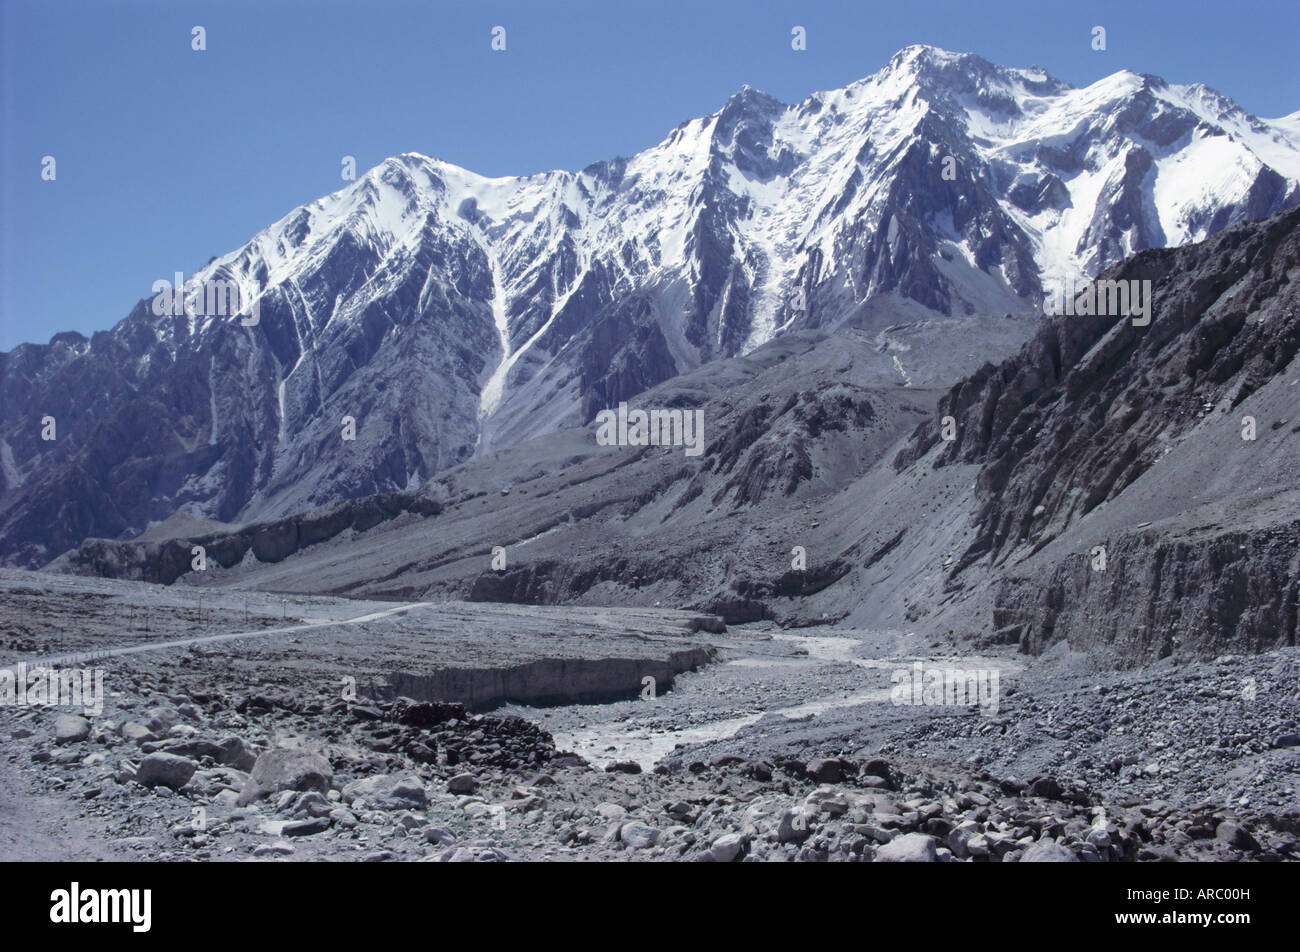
449, 314
789, 180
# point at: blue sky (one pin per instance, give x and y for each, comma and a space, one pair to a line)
166, 156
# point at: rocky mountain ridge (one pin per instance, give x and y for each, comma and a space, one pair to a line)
447, 314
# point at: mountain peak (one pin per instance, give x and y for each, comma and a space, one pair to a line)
749, 97
922, 57
465, 313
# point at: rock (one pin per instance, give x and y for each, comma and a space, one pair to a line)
610, 811
439, 835
794, 824
306, 827
638, 836
234, 752
188, 711
1048, 851
1045, 787
474, 853
1287, 740
161, 719
389, 792
726, 848
1099, 838
421, 753
526, 804
909, 848
193, 749
409, 820
165, 770
70, 729
877, 768
462, 784
135, 732
678, 810
311, 804
1236, 836
567, 759
287, 768
343, 818
427, 714
623, 766
828, 769
366, 712
278, 848
828, 802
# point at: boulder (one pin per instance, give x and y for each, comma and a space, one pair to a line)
1236, 836
306, 827
388, 792
828, 769
70, 728
795, 824
638, 836
135, 732
1048, 851
726, 848
162, 719
287, 768
909, 848
165, 770
235, 752
462, 784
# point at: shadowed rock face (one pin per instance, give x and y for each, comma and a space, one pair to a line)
1095, 417
167, 560
1090, 403
1231, 592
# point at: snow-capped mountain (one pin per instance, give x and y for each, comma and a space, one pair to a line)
450, 314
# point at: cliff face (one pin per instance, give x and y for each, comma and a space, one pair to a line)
550, 680
1091, 403
1098, 428
1230, 593
166, 560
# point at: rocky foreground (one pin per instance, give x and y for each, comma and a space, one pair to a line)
172, 770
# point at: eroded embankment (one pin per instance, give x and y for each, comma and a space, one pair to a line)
269, 542
549, 680
1233, 592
